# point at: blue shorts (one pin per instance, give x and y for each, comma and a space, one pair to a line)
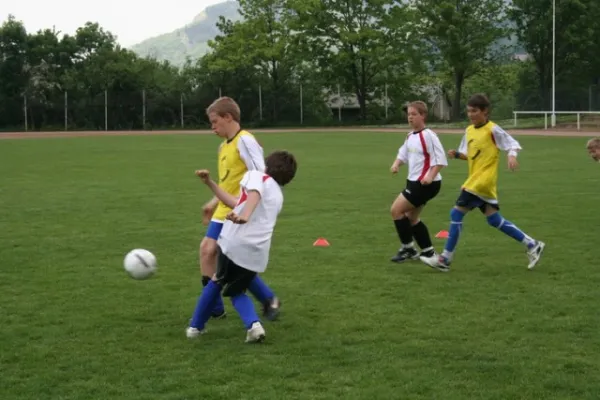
214, 230
471, 201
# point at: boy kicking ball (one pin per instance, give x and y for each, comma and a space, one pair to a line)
245, 241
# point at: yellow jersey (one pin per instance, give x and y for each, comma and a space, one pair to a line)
481, 145
236, 156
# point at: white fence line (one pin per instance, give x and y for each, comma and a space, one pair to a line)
546, 113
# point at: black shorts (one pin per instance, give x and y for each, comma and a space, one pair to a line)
471, 201
231, 277
418, 195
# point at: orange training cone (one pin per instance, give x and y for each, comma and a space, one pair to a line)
442, 235
321, 242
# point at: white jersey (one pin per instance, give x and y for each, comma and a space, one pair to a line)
248, 244
421, 151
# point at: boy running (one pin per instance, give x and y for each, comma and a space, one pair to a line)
424, 154
481, 146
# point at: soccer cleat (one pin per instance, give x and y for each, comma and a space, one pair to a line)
437, 262
223, 315
535, 253
405, 254
192, 332
271, 309
256, 333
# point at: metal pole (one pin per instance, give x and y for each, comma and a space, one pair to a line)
181, 108
590, 98
106, 110
301, 107
25, 111
144, 109
340, 104
220, 95
260, 102
385, 100
66, 113
553, 63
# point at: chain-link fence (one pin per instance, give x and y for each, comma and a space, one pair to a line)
263, 106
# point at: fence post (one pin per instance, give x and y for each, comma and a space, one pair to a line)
181, 108
545, 120
66, 113
143, 109
301, 107
105, 110
515, 114
260, 111
578, 121
25, 111
385, 101
220, 94
340, 104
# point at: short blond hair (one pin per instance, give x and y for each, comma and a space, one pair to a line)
593, 143
418, 105
223, 106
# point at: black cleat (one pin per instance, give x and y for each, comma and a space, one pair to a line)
406, 254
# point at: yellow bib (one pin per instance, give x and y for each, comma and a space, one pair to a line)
482, 157
231, 170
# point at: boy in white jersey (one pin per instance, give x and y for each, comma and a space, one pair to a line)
424, 154
245, 240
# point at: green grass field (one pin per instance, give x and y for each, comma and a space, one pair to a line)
353, 325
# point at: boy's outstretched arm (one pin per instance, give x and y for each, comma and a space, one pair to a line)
461, 153
227, 199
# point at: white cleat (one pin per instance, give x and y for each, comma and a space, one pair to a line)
535, 253
256, 333
192, 333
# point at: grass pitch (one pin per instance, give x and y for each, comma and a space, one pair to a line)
353, 325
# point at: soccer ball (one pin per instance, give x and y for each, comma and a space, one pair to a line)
140, 264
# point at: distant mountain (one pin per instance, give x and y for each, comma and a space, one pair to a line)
190, 40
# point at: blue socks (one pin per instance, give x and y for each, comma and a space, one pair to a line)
260, 290
245, 308
456, 218
219, 307
497, 221
211, 294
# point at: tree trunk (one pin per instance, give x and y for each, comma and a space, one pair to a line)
459, 79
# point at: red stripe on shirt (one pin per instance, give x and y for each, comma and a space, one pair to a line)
426, 156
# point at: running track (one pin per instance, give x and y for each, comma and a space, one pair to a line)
35, 135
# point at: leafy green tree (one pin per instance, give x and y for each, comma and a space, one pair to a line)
462, 37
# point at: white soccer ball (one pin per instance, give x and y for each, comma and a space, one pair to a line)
140, 264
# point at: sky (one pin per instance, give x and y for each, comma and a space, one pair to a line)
131, 21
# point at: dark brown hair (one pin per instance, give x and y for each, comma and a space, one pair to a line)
223, 106
480, 101
281, 166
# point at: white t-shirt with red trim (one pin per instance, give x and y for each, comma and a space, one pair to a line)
421, 151
248, 245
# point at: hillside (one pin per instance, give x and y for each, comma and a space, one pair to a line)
190, 40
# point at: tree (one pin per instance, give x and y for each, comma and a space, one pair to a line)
350, 41
461, 34
577, 44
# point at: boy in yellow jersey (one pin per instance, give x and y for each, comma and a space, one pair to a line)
481, 146
593, 148
238, 153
